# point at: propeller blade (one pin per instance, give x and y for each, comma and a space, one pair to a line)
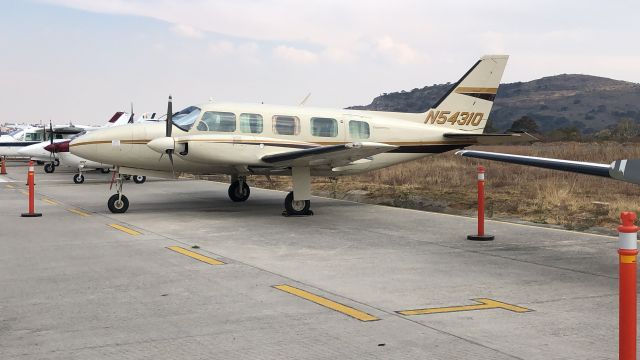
153, 116
170, 153
169, 117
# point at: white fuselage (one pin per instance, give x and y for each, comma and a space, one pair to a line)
236, 146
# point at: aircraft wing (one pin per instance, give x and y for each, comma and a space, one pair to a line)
492, 139
627, 170
336, 155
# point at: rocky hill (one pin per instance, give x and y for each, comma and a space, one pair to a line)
589, 103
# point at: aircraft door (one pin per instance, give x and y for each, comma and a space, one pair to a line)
343, 129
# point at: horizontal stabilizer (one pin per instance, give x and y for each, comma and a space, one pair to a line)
493, 139
332, 154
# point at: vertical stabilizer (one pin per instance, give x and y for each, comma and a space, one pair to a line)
466, 106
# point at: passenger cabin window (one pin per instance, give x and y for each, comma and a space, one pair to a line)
251, 123
324, 127
217, 121
359, 129
33, 137
286, 125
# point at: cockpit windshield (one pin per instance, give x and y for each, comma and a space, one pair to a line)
185, 118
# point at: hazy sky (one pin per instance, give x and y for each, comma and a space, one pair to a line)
82, 60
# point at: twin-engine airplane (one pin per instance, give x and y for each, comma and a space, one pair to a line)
256, 139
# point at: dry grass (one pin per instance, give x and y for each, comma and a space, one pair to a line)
447, 183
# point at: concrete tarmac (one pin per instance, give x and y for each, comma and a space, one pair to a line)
76, 287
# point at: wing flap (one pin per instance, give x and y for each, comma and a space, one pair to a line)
493, 139
336, 155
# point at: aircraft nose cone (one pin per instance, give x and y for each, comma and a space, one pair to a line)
83, 147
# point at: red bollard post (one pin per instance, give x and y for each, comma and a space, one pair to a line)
628, 251
31, 182
3, 168
480, 236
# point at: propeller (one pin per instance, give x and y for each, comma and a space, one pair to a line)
168, 133
166, 144
52, 155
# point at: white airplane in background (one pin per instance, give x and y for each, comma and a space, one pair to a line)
255, 139
55, 152
10, 144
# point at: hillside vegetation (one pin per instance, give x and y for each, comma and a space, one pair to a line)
587, 103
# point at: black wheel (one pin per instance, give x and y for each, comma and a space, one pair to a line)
49, 168
139, 179
78, 178
56, 162
300, 207
118, 206
105, 170
237, 193
127, 177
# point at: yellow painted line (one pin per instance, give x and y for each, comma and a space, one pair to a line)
49, 201
484, 305
24, 192
9, 186
195, 255
78, 212
125, 229
354, 313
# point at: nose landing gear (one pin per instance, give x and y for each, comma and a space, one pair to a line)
118, 203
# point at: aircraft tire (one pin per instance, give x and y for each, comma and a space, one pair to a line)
239, 195
49, 168
56, 162
105, 170
300, 207
139, 179
78, 178
118, 207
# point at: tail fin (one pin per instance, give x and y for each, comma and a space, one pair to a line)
118, 118
466, 106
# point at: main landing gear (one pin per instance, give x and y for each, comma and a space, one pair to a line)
239, 191
296, 207
297, 202
49, 167
139, 179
